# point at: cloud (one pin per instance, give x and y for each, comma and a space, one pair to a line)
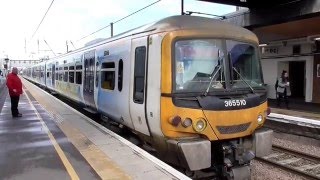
73, 19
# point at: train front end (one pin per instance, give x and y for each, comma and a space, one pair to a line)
213, 101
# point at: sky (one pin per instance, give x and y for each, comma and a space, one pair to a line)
70, 20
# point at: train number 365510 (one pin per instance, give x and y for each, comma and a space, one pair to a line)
238, 102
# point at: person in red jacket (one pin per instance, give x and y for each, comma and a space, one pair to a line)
14, 85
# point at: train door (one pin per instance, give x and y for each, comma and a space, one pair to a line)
139, 52
88, 85
53, 75
297, 79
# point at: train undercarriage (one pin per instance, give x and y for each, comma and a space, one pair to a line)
228, 159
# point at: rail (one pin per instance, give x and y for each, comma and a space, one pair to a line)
294, 161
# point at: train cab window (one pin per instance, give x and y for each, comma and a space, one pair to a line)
48, 75
246, 66
139, 74
120, 75
198, 65
108, 76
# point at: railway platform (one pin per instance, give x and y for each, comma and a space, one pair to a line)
53, 141
302, 119
303, 114
297, 108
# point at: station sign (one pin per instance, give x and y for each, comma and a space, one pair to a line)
270, 50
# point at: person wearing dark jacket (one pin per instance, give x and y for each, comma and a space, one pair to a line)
14, 85
283, 89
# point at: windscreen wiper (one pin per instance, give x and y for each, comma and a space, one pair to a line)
212, 77
243, 79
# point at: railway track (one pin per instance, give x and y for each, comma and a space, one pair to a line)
296, 162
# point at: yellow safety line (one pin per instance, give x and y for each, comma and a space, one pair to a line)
72, 173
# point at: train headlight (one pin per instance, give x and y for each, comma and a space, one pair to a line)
187, 122
200, 125
260, 119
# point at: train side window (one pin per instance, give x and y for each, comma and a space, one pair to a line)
41, 72
71, 74
139, 74
120, 75
57, 75
60, 74
71, 77
65, 76
107, 80
108, 65
108, 75
78, 77
79, 74
97, 74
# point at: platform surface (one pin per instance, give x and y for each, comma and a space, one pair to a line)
53, 141
31, 146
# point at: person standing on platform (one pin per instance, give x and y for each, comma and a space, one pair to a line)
283, 89
14, 85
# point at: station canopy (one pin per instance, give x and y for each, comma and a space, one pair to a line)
252, 3
299, 19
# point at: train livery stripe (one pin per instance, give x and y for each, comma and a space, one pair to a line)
72, 173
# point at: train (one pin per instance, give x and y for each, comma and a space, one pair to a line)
190, 87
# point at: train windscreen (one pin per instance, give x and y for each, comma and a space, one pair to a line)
196, 61
199, 65
245, 69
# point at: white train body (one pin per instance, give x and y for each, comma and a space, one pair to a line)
133, 79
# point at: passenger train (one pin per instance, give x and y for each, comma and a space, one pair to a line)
191, 87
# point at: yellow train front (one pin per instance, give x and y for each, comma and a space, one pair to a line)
213, 99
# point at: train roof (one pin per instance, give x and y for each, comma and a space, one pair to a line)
185, 22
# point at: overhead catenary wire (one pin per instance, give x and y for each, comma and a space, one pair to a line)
50, 48
73, 45
42, 19
119, 20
